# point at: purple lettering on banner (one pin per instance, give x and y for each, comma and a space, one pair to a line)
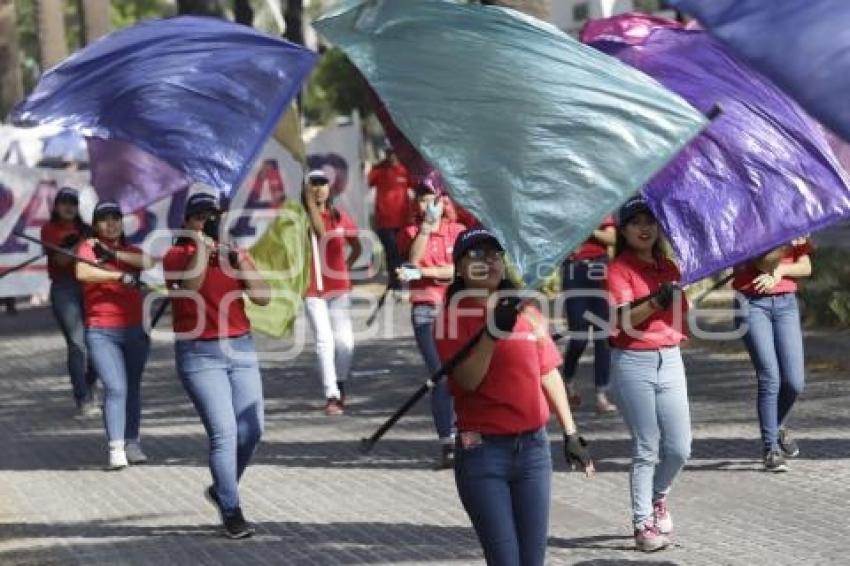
268, 179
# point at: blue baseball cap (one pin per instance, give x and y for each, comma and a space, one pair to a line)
472, 238
631, 208
199, 203
68, 194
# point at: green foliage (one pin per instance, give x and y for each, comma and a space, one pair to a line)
125, 13
825, 298
336, 88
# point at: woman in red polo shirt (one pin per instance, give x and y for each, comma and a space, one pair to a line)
647, 373
774, 341
114, 334
66, 229
215, 354
328, 299
427, 244
503, 390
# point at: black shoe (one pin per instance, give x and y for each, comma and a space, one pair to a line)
774, 461
447, 458
211, 496
787, 443
235, 525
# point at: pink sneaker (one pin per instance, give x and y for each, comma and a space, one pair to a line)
663, 519
648, 539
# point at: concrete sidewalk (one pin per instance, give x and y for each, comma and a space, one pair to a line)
317, 500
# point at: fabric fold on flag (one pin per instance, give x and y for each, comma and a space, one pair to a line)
760, 174
282, 255
535, 134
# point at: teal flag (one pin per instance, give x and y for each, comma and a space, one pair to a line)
536, 134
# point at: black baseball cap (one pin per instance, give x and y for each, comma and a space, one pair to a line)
67, 194
317, 177
105, 208
631, 208
473, 238
199, 203
425, 188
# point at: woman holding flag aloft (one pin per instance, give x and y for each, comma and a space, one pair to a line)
215, 354
504, 390
67, 229
328, 299
647, 372
774, 341
114, 334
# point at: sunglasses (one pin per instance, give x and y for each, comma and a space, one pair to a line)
487, 255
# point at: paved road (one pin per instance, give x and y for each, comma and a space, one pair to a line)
316, 500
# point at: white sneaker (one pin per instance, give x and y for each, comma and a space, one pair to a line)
134, 453
117, 456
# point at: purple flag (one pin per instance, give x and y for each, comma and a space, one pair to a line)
761, 174
130, 176
803, 45
200, 95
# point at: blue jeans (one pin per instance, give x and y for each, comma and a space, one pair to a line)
119, 356
775, 343
504, 484
222, 377
66, 301
388, 238
442, 409
580, 276
652, 394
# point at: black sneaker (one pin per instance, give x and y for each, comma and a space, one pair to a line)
235, 525
447, 458
211, 496
774, 461
787, 443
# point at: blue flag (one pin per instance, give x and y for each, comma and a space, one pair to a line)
803, 45
538, 136
199, 95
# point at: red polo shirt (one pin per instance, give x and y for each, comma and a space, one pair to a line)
510, 399
113, 304
630, 278
746, 275
218, 290
55, 233
438, 252
593, 248
332, 255
392, 203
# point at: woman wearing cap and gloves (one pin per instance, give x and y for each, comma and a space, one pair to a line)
647, 373
215, 354
114, 334
504, 390
66, 229
328, 298
427, 244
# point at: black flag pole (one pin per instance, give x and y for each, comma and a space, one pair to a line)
21, 265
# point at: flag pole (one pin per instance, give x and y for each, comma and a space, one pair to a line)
22, 265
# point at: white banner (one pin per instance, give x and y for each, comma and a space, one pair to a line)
27, 193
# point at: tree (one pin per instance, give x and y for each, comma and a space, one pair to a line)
337, 88
294, 18
52, 44
538, 8
11, 86
243, 12
96, 19
201, 8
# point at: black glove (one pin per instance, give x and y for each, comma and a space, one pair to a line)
576, 452
131, 280
70, 241
102, 253
665, 295
504, 316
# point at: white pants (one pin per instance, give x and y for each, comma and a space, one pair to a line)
331, 323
